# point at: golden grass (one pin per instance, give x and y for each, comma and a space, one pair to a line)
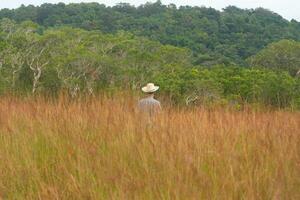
99, 149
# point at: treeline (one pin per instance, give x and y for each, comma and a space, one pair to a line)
214, 37
85, 62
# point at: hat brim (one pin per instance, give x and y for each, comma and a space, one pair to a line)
146, 90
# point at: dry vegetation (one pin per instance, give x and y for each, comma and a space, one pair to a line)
99, 149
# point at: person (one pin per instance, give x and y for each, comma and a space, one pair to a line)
149, 106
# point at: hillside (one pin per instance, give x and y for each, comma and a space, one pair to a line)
198, 56
228, 37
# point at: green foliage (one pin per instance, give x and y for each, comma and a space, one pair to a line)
236, 84
282, 55
214, 37
80, 61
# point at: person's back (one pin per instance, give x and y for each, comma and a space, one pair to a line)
149, 106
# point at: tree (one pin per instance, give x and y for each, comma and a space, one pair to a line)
18, 40
215, 37
282, 55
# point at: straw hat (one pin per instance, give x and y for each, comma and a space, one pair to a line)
150, 87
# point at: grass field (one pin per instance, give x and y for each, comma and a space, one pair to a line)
101, 149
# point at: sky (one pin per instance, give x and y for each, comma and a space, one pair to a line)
289, 9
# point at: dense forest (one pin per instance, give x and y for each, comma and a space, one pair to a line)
197, 55
214, 37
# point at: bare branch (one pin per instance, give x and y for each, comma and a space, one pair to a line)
190, 99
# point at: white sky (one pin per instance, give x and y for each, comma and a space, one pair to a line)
289, 9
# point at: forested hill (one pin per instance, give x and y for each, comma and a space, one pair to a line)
228, 36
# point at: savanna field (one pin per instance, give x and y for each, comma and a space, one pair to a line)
71, 76
100, 148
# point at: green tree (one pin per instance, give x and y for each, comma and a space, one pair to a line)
282, 55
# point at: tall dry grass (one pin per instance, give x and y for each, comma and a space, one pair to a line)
100, 149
